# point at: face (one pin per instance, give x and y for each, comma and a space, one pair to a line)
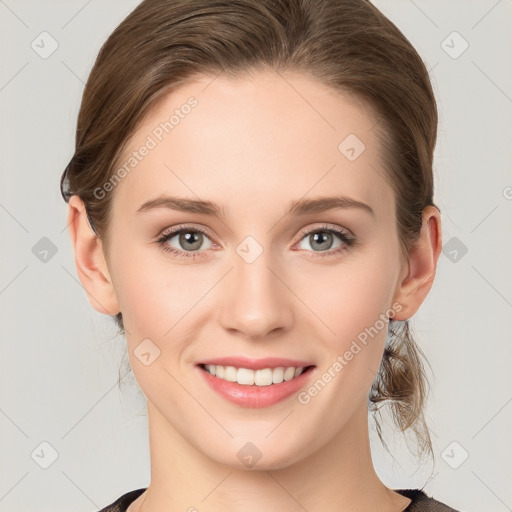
272, 273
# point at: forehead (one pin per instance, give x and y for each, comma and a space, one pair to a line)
254, 141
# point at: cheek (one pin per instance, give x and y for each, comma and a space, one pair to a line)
155, 293
158, 301
164, 302
354, 305
353, 297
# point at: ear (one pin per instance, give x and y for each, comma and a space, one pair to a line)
419, 272
90, 261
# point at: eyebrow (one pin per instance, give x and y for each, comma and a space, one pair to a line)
299, 207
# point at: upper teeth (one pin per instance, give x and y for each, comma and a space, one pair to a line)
263, 377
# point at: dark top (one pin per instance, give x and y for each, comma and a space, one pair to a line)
420, 502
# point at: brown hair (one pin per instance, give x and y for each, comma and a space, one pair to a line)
346, 44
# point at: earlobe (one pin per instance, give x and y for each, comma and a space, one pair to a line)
422, 263
90, 262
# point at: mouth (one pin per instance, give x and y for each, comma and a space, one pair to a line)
262, 377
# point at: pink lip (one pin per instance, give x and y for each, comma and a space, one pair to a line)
256, 364
256, 396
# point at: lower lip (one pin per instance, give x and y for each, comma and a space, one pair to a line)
255, 396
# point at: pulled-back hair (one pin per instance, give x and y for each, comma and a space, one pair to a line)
348, 45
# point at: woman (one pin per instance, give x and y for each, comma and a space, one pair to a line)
251, 196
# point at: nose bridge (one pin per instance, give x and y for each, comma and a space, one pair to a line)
255, 301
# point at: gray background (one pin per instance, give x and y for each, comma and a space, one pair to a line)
60, 358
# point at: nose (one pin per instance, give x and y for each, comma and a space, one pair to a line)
255, 301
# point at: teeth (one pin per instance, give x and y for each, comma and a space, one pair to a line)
246, 377
277, 375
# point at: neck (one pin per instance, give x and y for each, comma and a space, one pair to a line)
339, 476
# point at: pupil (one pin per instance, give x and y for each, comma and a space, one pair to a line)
323, 235
188, 238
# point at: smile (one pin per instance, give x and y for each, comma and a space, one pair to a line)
248, 377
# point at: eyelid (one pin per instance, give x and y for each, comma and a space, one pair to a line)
183, 227
327, 227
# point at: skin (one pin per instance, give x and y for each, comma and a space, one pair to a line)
253, 145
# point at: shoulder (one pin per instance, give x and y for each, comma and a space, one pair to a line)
121, 504
420, 502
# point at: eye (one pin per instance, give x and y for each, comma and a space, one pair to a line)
189, 239
321, 240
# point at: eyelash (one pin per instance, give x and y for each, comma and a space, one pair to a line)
348, 241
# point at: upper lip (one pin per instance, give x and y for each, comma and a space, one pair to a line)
256, 364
